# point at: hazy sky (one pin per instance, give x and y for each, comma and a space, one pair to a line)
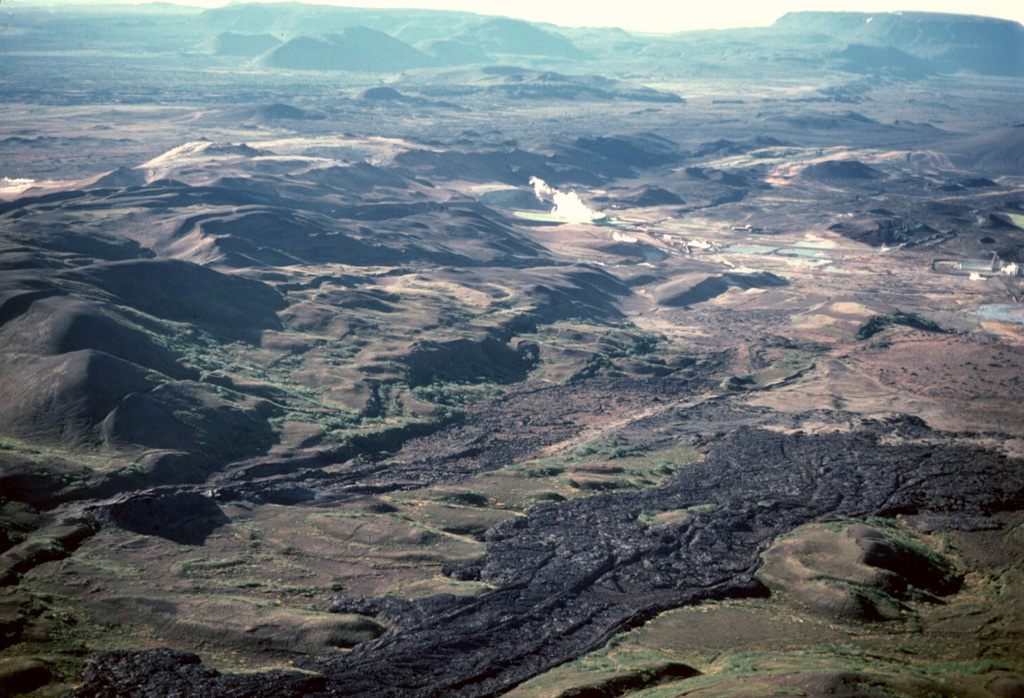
668, 16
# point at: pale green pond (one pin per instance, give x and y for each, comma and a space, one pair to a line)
1002, 313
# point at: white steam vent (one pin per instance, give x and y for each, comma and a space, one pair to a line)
567, 205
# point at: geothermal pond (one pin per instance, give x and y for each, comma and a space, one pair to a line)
1002, 313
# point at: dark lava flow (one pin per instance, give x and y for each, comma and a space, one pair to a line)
572, 574
496, 433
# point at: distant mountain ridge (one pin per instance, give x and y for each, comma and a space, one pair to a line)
904, 45
339, 38
294, 19
950, 42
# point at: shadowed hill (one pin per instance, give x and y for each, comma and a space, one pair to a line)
620, 156
63, 398
678, 295
61, 325
187, 416
353, 49
650, 196
514, 166
121, 178
875, 60
516, 37
358, 178
452, 52
996, 152
840, 170
176, 290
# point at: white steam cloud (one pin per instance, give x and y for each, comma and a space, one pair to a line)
567, 205
15, 185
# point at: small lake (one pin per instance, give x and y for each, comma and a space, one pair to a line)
799, 252
976, 266
1002, 313
815, 244
752, 249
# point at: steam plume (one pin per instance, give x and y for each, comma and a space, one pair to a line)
567, 205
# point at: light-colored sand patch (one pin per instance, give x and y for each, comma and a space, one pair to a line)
813, 321
852, 308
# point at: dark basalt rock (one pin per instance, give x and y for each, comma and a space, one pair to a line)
182, 517
166, 672
467, 361
382, 94
884, 229
624, 685
572, 574
880, 323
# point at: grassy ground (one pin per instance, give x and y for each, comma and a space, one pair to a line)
953, 646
